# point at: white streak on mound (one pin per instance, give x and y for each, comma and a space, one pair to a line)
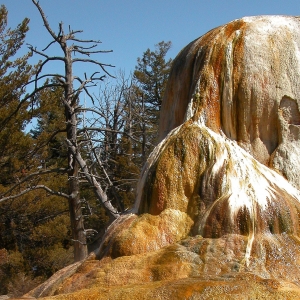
247, 180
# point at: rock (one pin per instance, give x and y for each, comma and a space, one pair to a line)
197, 268
147, 233
217, 214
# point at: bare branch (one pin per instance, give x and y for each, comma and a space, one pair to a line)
30, 47
83, 85
85, 48
92, 110
88, 93
101, 195
106, 130
97, 129
101, 65
43, 64
86, 41
61, 31
36, 3
85, 52
90, 174
73, 32
90, 231
116, 195
77, 241
32, 175
57, 76
53, 42
36, 187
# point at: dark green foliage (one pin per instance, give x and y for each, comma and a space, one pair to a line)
35, 232
151, 75
14, 74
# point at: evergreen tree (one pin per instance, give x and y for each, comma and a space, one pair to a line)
151, 75
152, 72
30, 220
108, 156
49, 133
14, 74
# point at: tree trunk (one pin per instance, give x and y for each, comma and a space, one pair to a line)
143, 132
76, 218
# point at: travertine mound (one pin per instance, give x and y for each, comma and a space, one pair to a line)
242, 79
217, 214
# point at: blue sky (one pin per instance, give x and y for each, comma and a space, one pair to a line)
130, 27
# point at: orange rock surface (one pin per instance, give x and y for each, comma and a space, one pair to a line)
217, 214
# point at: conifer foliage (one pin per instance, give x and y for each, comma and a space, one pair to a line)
151, 74
24, 221
14, 74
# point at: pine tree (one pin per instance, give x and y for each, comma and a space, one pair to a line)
14, 74
21, 218
151, 75
151, 72
48, 155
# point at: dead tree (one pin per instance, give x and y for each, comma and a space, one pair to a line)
74, 50
71, 46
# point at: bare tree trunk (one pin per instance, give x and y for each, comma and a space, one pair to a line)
76, 218
143, 132
83, 48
